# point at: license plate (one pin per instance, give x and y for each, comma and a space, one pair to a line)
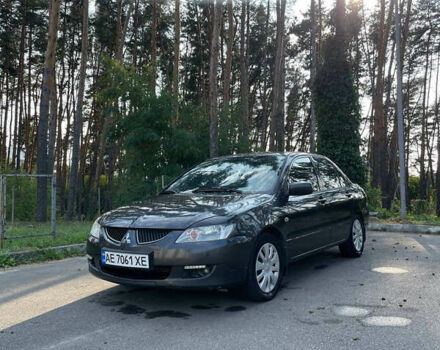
140, 261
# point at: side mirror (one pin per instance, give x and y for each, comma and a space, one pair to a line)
300, 188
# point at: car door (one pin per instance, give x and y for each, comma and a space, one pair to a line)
305, 220
338, 198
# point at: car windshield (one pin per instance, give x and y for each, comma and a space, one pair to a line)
235, 174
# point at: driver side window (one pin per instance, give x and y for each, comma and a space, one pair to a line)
302, 170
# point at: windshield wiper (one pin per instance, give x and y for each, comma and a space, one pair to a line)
217, 190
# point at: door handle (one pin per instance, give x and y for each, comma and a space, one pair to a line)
322, 200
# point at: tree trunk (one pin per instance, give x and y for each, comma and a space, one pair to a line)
153, 44
277, 111
425, 102
244, 79
21, 85
319, 44
135, 32
5, 130
28, 130
122, 32
176, 61
216, 10
265, 96
42, 165
118, 49
379, 141
228, 64
312, 76
52, 122
437, 119
77, 123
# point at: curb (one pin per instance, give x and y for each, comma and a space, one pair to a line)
410, 228
28, 256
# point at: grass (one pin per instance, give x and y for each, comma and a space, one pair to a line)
67, 232
411, 218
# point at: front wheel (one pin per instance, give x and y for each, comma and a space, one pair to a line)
354, 245
265, 269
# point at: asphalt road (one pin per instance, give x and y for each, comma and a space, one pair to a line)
327, 302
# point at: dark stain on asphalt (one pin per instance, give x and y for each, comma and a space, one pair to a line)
235, 308
131, 309
111, 302
166, 313
201, 307
320, 267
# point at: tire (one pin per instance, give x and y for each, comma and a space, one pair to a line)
269, 270
354, 245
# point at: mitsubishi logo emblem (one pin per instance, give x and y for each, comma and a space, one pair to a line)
126, 238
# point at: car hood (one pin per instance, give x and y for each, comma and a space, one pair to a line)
179, 211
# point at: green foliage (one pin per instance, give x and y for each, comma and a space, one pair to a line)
420, 206
25, 190
413, 187
374, 198
153, 143
338, 112
7, 261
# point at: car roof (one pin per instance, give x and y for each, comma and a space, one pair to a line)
257, 154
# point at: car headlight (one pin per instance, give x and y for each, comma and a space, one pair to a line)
95, 230
205, 233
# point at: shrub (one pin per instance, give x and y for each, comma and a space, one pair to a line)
420, 206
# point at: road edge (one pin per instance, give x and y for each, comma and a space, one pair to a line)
39, 255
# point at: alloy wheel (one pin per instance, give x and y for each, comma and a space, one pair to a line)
358, 235
267, 267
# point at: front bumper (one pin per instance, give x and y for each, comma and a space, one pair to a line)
226, 260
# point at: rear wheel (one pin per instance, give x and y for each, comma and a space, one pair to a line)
266, 269
354, 245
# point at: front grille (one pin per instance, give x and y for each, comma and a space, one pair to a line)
146, 235
157, 273
116, 233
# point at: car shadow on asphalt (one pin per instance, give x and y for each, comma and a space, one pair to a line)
181, 303
121, 302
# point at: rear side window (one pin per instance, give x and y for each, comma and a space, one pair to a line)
302, 170
329, 175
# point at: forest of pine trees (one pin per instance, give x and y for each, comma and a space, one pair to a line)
114, 94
